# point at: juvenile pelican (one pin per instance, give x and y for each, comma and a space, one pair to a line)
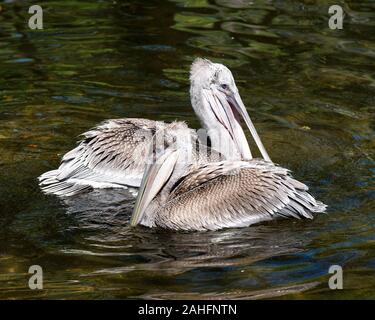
115, 153
177, 195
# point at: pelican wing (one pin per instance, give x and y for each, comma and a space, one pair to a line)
112, 154
235, 194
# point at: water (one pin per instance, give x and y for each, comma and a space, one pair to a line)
310, 91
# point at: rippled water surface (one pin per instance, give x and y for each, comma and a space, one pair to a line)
310, 91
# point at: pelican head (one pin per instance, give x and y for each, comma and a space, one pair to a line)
217, 103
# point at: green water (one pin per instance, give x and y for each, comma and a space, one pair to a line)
310, 91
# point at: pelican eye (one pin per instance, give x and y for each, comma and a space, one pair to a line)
224, 86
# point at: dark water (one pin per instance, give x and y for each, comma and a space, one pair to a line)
310, 91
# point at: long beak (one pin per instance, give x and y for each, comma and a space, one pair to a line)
236, 103
228, 110
154, 178
224, 114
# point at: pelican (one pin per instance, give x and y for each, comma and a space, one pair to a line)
115, 153
176, 194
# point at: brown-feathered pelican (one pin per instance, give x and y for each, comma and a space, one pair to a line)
177, 195
114, 154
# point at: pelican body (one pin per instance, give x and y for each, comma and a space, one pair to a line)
180, 196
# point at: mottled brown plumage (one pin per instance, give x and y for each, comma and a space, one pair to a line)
115, 154
229, 194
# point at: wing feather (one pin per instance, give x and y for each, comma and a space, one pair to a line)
115, 154
234, 194
111, 154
